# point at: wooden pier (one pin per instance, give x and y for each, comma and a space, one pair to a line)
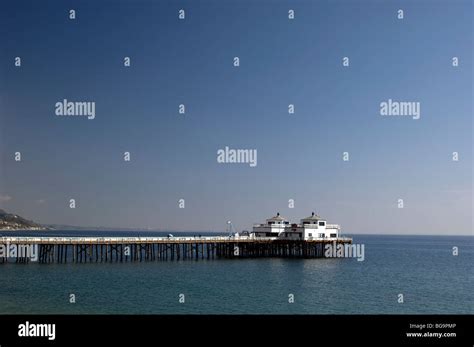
137, 249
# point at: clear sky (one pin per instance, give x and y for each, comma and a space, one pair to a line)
282, 62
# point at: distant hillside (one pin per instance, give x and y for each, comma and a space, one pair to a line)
9, 221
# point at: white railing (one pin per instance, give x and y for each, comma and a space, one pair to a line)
86, 240
333, 226
77, 239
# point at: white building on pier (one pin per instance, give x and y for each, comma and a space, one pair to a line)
311, 228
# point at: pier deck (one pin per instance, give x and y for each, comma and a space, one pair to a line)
129, 249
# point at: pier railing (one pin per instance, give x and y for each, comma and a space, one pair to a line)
144, 240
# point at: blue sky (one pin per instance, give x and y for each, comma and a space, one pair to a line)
282, 62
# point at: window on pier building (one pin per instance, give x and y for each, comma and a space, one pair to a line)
322, 224
333, 235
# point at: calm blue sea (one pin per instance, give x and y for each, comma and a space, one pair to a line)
422, 268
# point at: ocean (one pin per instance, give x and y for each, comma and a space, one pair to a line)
421, 268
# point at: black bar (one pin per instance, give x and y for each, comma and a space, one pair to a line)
333, 329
